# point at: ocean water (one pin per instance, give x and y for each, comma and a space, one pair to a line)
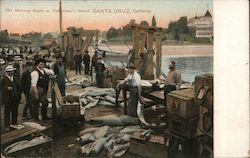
189, 65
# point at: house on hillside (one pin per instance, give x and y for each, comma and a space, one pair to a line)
203, 25
15, 36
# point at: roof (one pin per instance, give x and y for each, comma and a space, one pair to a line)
208, 14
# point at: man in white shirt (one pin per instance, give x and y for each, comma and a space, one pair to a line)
37, 89
133, 84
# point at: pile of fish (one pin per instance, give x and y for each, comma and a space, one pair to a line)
114, 140
92, 96
20, 145
78, 80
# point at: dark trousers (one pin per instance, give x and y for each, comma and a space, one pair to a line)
61, 87
132, 101
78, 68
86, 69
10, 108
100, 80
27, 109
168, 89
35, 105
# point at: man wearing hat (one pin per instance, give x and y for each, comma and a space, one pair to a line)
99, 69
60, 72
86, 61
25, 84
133, 83
11, 96
38, 88
78, 61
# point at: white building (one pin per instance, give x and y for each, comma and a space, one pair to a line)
203, 24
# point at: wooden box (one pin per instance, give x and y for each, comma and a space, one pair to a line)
181, 103
69, 111
204, 90
152, 148
183, 127
180, 147
206, 121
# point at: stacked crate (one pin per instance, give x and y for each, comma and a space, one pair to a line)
204, 100
182, 116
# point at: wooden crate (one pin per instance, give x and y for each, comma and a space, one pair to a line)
40, 150
181, 103
206, 121
205, 147
152, 148
186, 128
204, 90
180, 147
69, 111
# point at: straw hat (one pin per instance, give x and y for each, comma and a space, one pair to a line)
9, 68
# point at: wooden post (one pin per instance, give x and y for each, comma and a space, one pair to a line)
142, 41
149, 74
158, 53
136, 45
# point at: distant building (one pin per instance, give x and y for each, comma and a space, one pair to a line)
203, 24
15, 36
50, 41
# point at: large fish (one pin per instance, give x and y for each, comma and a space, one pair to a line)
101, 132
85, 139
23, 145
89, 130
106, 103
129, 130
93, 91
110, 99
90, 105
115, 120
124, 139
109, 144
15, 145
93, 149
140, 115
34, 125
119, 150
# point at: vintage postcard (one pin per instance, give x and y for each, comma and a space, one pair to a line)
113, 78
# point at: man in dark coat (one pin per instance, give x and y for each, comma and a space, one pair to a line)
86, 61
11, 96
99, 69
25, 84
60, 72
78, 61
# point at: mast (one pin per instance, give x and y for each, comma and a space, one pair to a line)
60, 20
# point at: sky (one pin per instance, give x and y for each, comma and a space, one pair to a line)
23, 16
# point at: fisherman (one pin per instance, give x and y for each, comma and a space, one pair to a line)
11, 96
131, 56
25, 84
173, 79
99, 69
38, 86
60, 72
93, 61
133, 83
86, 61
78, 61
143, 62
